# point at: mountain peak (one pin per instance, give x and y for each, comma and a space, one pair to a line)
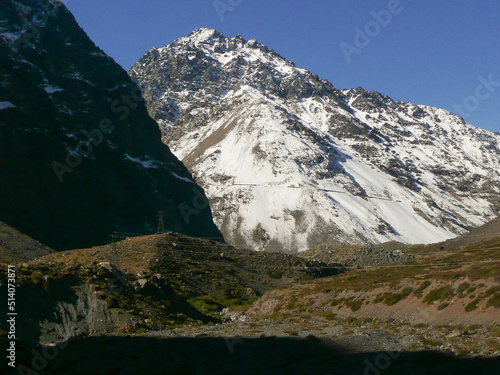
220, 64
202, 34
288, 161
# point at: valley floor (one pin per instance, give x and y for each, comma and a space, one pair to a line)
279, 316
296, 345
356, 335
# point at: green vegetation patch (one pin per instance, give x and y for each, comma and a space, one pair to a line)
494, 301
393, 298
423, 286
205, 304
444, 293
473, 305
329, 315
462, 288
353, 303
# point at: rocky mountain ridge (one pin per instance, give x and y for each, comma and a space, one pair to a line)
79, 156
288, 161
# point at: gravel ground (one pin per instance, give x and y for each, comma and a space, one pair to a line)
292, 346
357, 336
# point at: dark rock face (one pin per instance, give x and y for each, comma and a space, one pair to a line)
79, 155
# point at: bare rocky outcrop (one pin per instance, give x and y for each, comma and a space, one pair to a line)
88, 315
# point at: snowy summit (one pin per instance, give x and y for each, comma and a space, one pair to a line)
289, 161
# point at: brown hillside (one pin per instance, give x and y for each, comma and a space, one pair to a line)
441, 287
479, 235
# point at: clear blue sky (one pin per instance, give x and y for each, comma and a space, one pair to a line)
430, 52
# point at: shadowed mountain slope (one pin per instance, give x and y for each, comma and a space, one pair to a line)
79, 155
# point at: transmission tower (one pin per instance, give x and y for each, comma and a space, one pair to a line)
161, 227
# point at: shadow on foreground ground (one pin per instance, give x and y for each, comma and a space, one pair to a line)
149, 356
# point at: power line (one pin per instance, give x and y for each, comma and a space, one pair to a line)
312, 267
171, 255
362, 247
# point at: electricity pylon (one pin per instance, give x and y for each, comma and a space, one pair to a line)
161, 227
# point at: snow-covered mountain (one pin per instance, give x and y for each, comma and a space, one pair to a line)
288, 161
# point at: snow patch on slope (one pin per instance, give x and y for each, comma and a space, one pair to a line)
52, 89
6, 105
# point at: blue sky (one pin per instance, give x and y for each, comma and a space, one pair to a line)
441, 53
